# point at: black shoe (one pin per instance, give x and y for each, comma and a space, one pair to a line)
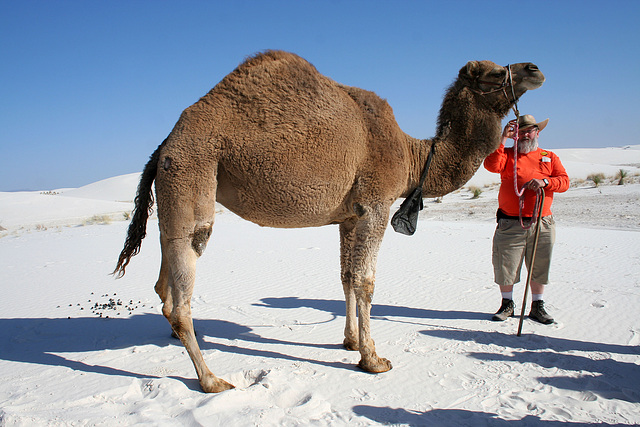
506, 310
539, 314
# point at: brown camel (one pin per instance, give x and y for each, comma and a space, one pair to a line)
282, 145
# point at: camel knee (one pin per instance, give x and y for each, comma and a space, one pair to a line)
365, 290
200, 238
346, 278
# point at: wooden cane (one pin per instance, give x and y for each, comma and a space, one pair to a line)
531, 261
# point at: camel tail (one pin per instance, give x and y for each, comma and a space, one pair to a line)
143, 208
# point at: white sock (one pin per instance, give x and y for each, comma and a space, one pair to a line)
536, 297
507, 295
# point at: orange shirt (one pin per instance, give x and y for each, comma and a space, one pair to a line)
537, 164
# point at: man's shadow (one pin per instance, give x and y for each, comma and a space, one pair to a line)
451, 417
605, 377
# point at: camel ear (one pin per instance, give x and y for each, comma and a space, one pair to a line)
469, 71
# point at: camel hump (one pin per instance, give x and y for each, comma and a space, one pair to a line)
271, 77
270, 56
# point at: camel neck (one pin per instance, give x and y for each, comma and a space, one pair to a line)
466, 135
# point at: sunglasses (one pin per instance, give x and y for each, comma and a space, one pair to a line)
528, 130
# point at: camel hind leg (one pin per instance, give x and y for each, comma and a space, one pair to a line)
175, 288
186, 221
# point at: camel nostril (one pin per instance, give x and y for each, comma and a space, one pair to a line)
532, 67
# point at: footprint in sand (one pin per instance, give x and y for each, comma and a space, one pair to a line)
587, 396
250, 378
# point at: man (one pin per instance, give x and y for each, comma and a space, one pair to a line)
537, 168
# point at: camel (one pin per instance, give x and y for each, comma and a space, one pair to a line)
282, 145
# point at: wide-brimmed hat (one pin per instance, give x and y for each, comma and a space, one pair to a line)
528, 120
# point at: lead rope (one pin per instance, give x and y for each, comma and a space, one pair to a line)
531, 261
519, 192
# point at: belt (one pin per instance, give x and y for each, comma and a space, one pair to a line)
501, 215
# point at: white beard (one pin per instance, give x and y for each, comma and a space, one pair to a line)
526, 145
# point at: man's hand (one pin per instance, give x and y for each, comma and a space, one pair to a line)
534, 184
509, 131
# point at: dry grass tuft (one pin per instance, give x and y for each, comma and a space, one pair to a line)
98, 219
476, 191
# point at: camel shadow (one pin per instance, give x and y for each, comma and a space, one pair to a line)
234, 332
378, 311
37, 340
613, 380
44, 341
450, 417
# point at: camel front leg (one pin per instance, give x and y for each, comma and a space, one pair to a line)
347, 238
369, 360
351, 335
369, 231
181, 260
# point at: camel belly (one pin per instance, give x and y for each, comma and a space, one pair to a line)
284, 201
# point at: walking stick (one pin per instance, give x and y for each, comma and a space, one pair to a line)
533, 258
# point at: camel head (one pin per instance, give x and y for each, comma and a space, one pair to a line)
489, 78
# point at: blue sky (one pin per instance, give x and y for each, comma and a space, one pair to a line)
88, 89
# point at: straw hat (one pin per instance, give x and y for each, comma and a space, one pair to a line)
528, 120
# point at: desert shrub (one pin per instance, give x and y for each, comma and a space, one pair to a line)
476, 191
621, 175
597, 178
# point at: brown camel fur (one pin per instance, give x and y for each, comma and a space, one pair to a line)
281, 145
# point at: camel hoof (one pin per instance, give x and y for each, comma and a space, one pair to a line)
376, 366
215, 385
351, 345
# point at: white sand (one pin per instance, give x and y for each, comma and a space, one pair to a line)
269, 310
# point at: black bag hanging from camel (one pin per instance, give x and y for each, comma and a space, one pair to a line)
405, 220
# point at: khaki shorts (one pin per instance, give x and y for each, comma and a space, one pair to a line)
512, 244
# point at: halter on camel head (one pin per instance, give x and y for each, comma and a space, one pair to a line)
506, 83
